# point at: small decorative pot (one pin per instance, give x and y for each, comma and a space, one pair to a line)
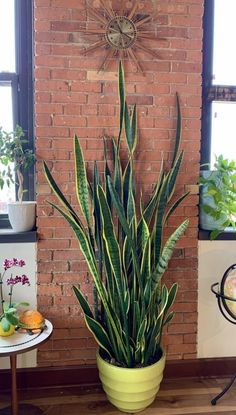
131, 390
22, 216
7, 333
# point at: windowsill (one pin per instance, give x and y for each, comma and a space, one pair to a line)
9, 236
228, 235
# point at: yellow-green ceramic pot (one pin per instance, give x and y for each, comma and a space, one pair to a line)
131, 390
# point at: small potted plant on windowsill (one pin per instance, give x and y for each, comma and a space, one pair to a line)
15, 159
218, 197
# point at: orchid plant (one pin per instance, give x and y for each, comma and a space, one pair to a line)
8, 310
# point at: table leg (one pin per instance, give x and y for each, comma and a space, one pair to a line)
14, 400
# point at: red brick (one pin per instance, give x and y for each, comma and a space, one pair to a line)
71, 97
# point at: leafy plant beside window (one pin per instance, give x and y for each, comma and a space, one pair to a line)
15, 158
218, 195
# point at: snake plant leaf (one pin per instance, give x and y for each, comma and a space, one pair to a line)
169, 317
131, 128
136, 319
112, 246
175, 205
97, 217
167, 252
126, 255
134, 128
140, 342
121, 214
127, 302
81, 182
128, 131
126, 184
157, 234
114, 254
143, 234
171, 296
121, 84
174, 173
156, 327
109, 276
88, 253
99, 333
117, 170
131, 209
142, 329
146, 262
107, 172
57, 190
178, 130
82, 301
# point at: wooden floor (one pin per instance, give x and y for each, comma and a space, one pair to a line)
182, 397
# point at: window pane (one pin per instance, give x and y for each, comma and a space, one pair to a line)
6, 117
223, 137
7, 36
224, 58
6, 122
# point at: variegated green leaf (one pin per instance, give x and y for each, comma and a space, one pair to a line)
178, 130
100, 334
82, 301
167, 252
121, 84
57, 190
81, 182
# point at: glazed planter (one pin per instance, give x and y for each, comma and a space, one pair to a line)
206, 221
131, 390
22, 216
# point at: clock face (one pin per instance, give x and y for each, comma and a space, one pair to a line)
121, 33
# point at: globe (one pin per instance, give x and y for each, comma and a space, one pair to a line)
228, 289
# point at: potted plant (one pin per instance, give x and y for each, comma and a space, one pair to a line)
218, 197
8, 310
127, 256
15, 158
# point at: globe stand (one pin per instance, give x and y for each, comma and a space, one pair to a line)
228, 314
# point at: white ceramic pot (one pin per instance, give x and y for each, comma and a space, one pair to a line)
206, 221
22, 216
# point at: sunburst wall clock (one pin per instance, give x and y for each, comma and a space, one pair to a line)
121, 33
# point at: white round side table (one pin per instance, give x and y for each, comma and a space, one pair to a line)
12, 346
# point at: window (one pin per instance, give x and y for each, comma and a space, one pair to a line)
219, 81
16, 90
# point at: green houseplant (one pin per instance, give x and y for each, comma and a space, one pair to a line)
15, 158
218, 197
127, 256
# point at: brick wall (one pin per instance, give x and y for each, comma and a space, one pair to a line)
71, 97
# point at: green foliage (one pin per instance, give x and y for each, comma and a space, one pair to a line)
15, 157
124, 246
219, 194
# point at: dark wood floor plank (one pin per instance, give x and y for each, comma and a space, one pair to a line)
178, 397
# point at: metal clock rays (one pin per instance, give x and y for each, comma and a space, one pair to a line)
122, 33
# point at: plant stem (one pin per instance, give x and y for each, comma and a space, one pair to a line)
20, 184
1, 295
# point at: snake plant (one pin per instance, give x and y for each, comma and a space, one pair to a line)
122, 241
